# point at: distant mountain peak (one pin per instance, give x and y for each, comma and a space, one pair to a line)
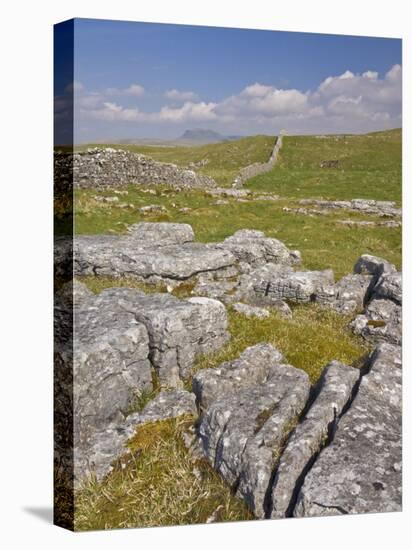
202, 135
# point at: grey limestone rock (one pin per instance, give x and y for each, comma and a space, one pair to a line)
111, 361
273, 283
348, 294
389, 287
360, 471
381, 321
373, 265
251, 367
161, 233
243, 429
178, 330
254, 248
366, 206
334, 392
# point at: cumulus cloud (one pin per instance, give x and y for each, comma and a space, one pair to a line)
113, 112
347, 102
178, 95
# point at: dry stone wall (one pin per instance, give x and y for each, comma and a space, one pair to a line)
102, 168
258, 168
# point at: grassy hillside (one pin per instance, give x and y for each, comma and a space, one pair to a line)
369, 167
224, 159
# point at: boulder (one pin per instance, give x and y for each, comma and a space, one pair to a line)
167, 404
161, 233
389, 287
178, 330
348, 294
273, 283
254, 248
360, 471
372, 265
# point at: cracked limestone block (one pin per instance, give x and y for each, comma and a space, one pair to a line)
243, 432
272, 283
179, 330
161, 233
251, 367
254, 248
360, 471
288, 391
310, 436
347, 295
111, 361
124, 256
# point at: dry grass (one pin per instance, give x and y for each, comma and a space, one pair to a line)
160, 484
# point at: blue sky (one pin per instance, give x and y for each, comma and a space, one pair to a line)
152, 80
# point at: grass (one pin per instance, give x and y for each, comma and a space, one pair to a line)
314, 336
224, 159
159, 484
369, 167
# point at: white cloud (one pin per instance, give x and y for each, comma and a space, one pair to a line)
177, 95
347, 102
113, 112
189, 112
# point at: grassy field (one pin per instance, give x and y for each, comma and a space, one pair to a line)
162, 484
369, 167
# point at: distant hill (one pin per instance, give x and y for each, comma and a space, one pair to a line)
200, 136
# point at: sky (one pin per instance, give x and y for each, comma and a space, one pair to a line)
149, 80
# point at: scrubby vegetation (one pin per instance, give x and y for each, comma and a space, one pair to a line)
158, 484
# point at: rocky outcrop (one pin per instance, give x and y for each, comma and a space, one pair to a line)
360, 471
274, 283
258, 168
251, 404
102, 168
119, 338
289, 449
366, 206
334, 390
165, 252
381, 320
